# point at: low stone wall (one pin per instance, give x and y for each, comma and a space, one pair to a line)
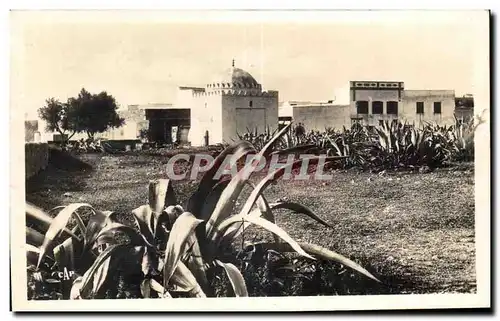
36, 158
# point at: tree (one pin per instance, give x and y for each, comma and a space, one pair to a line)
94, 113
57, 116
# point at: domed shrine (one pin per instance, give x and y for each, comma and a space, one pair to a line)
232, 103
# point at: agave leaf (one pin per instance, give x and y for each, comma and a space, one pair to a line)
76, 288
162, 229
143, 216
264, 210
172, 212
196, 264
206, 211
65, 253
105, 240
34, 237
156, 286
266, 150
299, 208
196, 201
176, 246
294, 149
225, 203
41, 218
111, 229
57, 225
339, 152
271, 227
32, 253
87, 286
320, 253
161, 195
101, 275
95, 225
184, 281
236, 229
235, 277
149, 261
79, 223
32, 248
212, 199
146, 288
263, 205
267, 213
232, 191
274, 176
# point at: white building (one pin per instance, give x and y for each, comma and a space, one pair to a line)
232, 103
373, 102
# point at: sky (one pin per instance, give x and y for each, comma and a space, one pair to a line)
141, 59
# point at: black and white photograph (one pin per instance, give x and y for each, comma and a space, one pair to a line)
297, 160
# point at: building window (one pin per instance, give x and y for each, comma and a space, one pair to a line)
437, 107
205, 105
392, 107
362, 107
377, 107
420, 107
250, 103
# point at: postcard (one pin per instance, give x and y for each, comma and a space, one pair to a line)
250, 160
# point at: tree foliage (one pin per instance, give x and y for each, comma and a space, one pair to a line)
94, 113
86, 113
57, 117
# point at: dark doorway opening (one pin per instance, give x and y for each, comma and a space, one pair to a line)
163, 121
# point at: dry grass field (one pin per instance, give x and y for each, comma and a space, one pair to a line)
413, 231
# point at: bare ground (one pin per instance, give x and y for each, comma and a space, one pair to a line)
413, 231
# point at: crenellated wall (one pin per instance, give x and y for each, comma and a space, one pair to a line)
206, 115
224, 112
236, 92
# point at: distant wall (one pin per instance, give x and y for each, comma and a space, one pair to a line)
428, 98
36, 158
322, 117
135, 121
30, 128
243, 113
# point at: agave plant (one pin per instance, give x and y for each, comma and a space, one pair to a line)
54, 249
463, 138
177, 246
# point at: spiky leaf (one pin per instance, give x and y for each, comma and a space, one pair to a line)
176, 246
320, 253
299, 208
273, 228
235, 277
57, 225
